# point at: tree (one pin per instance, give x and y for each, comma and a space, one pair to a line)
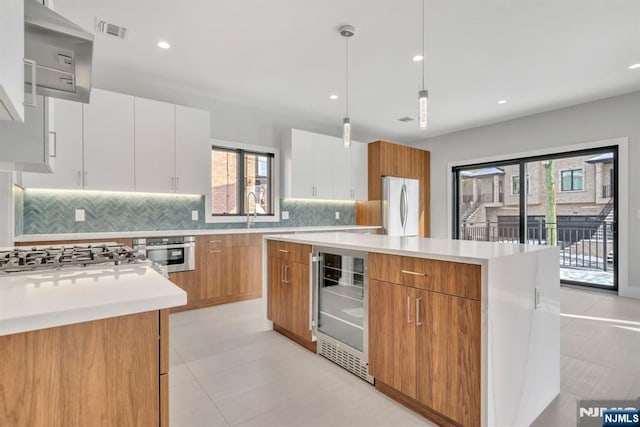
550, 217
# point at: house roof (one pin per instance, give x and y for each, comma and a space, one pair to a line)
482, 172
601, 158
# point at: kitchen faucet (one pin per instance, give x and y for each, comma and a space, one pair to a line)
255, 211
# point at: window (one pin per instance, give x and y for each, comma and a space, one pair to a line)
515, 185
571, 180
241, 182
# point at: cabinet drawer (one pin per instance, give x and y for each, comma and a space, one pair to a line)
295, 252
452, 278
218, 240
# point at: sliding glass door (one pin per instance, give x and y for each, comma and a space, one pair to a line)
566, 200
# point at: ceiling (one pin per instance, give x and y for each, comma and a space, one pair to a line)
286, 56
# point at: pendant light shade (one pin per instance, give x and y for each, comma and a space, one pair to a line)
346, 31
346, 132
423, 99
423, 95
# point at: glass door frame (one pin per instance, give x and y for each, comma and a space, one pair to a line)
522, 220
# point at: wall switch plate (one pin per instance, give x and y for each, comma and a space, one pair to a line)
285, 214
194, 215
79, 214
337, 215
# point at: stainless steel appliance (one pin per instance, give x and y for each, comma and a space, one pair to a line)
400, 206
26, 258
177, 253
340, 298
58, 54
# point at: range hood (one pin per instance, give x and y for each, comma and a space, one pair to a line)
62, 52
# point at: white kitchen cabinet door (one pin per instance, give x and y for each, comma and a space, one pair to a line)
323, 166
155, 146
67, 148
11, 63
302, 165
25, 146
108, 141
359, 170
341, 170
193, 151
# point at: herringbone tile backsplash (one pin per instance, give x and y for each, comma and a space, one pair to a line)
49, 212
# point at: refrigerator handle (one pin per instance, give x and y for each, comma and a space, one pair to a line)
403, 206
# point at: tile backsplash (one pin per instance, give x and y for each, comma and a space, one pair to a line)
53, 211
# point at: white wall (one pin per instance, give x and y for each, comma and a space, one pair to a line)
554, 131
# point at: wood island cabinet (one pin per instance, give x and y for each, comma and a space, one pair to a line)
424, 335
108, 372
288, 291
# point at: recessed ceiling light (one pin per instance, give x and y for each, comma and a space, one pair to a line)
417, 58
634, 66
502, 101
333, 97
163, 45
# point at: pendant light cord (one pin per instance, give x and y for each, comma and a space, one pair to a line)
424, 59
347, 82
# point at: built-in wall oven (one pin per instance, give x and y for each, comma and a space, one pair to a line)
176, 253
340, 315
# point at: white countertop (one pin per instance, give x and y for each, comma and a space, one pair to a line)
168, 233
445, 249
48, 298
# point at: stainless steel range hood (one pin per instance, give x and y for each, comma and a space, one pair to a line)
62, 52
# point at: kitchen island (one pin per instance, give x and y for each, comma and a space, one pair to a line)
85, 346
463, 332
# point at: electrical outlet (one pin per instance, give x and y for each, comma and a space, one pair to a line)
194, 215
285, 214
79, 214
337, 215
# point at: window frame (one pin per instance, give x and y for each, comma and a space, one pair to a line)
572, 190
516, 178
210, 217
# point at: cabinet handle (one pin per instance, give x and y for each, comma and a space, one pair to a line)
79, 178
55, 144
85, 179
215, 241
284, 251
34, 99
409, 309
177, 184
418, 321
285, 274
414, 273
215, 252
173, 183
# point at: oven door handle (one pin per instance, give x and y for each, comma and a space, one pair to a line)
171, 246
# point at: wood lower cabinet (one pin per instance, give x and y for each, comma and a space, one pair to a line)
100, 373
426, 346
288, 291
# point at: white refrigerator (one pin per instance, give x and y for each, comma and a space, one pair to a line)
400, 206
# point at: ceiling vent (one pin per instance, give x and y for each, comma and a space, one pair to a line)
406, 119
111, 29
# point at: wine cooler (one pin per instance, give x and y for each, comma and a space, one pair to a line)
340, 301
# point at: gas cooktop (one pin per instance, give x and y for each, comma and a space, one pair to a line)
26, 259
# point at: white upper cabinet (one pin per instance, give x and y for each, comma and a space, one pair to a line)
67, 149
359, 171
300, 164
108, 141
193, 150
11, 60
26, 146
155, 148
320, 167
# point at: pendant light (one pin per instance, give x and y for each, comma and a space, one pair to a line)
346, 31
423, 95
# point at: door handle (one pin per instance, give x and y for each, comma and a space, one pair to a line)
402, 207
55, 144
34, 99
418, 321
409, 309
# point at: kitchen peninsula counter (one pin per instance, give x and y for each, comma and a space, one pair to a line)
462, 332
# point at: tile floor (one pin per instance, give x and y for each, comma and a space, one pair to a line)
226, 372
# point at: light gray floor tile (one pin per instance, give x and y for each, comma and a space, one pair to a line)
593, 381
562, 411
